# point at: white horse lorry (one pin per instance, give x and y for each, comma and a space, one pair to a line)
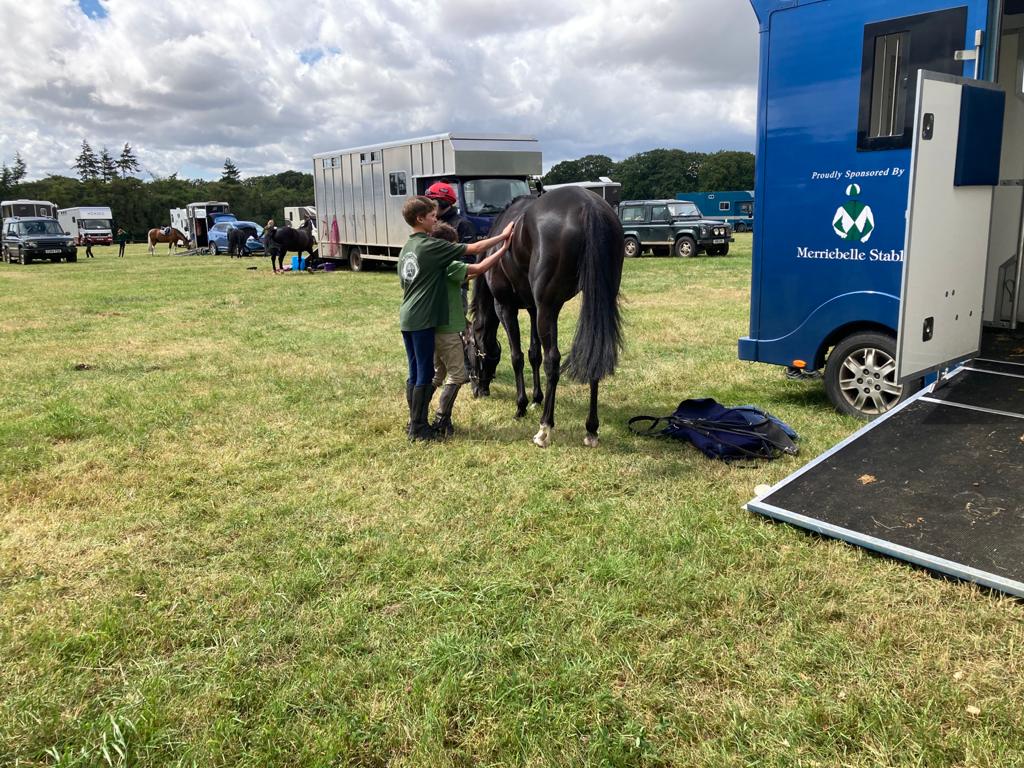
297, 215
92, 224
360, 191
12, 209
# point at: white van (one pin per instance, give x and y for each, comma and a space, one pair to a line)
93, 224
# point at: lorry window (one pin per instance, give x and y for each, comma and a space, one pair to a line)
894, 51
94, 224
724, 205
396, 184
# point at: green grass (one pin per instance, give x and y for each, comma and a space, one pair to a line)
217, 548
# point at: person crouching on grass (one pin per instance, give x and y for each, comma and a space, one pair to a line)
449, 355
422, 268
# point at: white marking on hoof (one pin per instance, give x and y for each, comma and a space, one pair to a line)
590, 440
543, 438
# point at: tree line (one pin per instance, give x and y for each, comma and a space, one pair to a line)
139, 205
662, 173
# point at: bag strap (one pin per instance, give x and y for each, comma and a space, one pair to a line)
652, 428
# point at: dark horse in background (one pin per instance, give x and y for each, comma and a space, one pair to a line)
237, 238
173, 236
278, 241
565, 242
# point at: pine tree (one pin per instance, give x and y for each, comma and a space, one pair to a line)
107, 166
18, 170
5, 180
231, 173
86, 164
127, 162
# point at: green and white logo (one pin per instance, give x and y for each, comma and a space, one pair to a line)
854, 220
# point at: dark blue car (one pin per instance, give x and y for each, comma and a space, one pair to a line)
219, 237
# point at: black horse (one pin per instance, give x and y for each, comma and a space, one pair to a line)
237, 238
278, 241
567, 241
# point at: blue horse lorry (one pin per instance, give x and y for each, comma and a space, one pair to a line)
735, 207
890, 162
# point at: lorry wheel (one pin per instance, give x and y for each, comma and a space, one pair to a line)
860, 376
632, 247
685, 247
355, 259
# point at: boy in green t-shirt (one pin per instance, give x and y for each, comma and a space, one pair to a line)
421, 270
449, 355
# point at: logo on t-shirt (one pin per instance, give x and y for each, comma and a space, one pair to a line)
410, 267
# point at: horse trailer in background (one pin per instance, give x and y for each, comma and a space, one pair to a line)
608, 190
10, 209
195, 220
297, 215
736, 208
88, 225
360, 191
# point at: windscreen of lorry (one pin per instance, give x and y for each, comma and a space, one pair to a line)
491, 196
679, 210
94, 224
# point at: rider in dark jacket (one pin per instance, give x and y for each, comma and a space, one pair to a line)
443, 194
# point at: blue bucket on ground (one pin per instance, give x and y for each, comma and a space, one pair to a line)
298, 263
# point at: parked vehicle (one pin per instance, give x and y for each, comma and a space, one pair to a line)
218, 236
195, 220
360, 191
671, 226
734, 208
88, 225
608, 190
28, 239
297, 215
844, 201
10, 209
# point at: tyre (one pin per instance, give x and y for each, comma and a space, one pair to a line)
213, 249
5, 256
685, 247
860, 375
72, 257
718, 250
355, 259
632, 247
23, 257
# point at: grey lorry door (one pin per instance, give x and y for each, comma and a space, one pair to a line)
948, 218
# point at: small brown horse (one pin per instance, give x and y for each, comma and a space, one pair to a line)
157, 236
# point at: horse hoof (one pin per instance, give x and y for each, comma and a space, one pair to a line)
520, 413
590, 440
543, 438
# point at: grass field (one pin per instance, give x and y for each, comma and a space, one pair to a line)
217, 548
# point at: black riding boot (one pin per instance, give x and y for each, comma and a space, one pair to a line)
419, 429
443, 420
408, 401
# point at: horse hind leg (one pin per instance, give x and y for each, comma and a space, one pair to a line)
592, 421
535, 358
547, 321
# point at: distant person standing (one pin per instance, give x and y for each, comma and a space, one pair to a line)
88, 248
121, 240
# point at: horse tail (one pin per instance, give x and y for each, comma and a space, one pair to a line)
598, 339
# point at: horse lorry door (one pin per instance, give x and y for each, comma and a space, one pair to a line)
954, 166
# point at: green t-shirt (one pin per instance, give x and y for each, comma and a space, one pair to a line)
421, 272
121, 238
455, 276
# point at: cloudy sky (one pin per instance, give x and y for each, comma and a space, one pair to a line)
190, 82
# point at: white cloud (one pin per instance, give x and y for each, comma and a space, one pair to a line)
269, 85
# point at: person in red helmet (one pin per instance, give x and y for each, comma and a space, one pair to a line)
443, 193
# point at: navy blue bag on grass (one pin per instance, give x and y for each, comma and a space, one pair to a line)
743, 432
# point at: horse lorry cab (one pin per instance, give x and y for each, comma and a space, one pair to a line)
890, 187
88, 225
360, 191
196, 219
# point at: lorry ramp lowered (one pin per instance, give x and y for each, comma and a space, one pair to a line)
938, 481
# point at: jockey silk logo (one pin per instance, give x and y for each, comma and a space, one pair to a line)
854, 221
410, 267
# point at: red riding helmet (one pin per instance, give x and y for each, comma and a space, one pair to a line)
441, 191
